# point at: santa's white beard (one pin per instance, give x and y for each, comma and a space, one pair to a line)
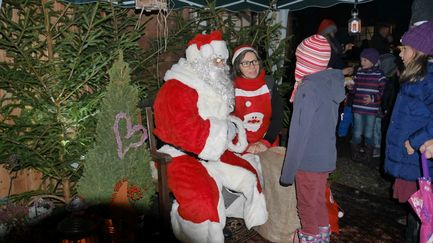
217, 78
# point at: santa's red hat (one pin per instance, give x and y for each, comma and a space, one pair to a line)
204, 46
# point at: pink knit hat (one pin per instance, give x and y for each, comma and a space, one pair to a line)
312, 56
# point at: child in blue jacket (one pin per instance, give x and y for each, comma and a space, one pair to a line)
412, 117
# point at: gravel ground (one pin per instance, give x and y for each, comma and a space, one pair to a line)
368, 178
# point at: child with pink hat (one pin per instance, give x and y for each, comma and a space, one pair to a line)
311, 152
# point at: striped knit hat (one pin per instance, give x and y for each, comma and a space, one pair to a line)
312, 56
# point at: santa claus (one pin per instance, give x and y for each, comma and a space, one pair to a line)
192, 118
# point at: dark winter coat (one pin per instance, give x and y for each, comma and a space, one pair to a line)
412, 119
277, 111
337, 54
311, 145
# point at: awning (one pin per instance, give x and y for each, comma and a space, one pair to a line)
261, 5
238, 5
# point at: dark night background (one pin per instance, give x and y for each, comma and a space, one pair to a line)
394, 12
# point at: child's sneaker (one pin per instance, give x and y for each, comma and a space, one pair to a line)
307, 238
325, 234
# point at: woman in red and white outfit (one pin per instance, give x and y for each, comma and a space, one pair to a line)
257, 100
259, 106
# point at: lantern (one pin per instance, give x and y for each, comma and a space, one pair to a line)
354, 24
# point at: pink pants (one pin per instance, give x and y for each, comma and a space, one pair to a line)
310, 193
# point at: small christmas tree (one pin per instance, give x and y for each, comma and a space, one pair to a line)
119, 154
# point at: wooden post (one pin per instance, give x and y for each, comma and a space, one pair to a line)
66, 189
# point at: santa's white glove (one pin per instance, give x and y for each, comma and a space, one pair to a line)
242, 143
231, 130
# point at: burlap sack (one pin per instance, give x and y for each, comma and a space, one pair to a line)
283, 218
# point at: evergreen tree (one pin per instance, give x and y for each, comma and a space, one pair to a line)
110, 160
55, 58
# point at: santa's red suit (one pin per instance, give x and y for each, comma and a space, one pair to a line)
193, 120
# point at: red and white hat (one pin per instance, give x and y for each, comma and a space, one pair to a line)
238, 50
312, 56
205, 46
327, 26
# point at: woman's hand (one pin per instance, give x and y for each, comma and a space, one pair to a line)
427, 147
256, 148
408, 147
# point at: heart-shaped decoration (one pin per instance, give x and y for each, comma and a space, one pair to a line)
130, 130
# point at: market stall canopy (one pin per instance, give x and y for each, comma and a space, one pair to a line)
261, 5
237, 5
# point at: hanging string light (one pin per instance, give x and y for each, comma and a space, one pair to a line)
354, 24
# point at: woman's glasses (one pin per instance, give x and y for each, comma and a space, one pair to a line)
248, 63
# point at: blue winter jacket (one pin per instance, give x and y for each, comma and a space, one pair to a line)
412, 119
311, 146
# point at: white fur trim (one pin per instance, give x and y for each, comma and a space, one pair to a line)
235, 209
217, 48
206, 51
240, 50
192, 53
167, 149
187, 231
238, 179
220, 49
252, 93
216, 142
254, 161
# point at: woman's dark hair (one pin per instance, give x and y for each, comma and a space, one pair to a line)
236, 69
